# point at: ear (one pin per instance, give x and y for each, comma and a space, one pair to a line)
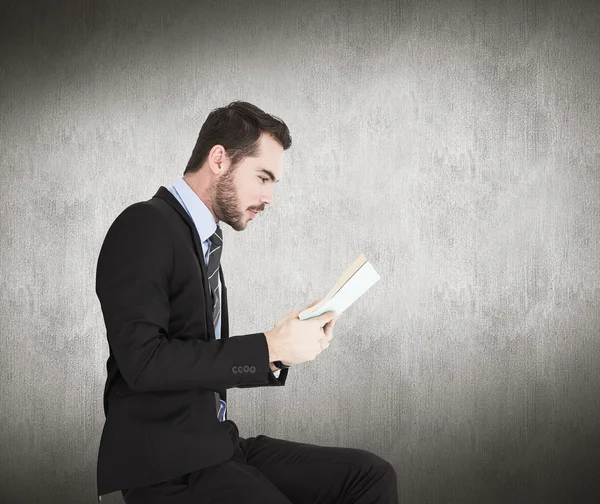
218, 160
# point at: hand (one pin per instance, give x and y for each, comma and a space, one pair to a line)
294, 314
294, 341
328, 330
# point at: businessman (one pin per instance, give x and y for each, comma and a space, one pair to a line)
167, 437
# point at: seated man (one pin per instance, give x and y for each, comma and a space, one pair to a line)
167, 438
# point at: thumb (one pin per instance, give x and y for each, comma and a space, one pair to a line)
298, 312
326, 317
293, 314
312, 304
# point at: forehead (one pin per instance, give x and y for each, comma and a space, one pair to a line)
269, 147
269, 156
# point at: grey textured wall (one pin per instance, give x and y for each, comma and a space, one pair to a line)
455, 143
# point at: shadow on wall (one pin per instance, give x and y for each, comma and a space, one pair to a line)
547, 451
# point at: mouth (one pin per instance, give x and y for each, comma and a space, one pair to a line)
253, 213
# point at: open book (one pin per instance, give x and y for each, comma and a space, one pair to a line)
358, 278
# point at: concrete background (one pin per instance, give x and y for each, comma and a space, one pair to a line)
455, 143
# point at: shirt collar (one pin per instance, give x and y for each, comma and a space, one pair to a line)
199, 212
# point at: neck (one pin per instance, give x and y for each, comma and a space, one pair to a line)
200, 183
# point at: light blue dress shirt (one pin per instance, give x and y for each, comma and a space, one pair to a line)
205, 225
204, 222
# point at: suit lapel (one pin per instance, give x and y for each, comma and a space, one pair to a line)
164, 194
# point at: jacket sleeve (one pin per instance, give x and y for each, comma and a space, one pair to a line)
132, 283
275, 379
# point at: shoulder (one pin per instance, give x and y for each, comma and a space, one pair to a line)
140, 225
141, 215
137, 248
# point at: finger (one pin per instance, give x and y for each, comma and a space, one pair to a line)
325, 317
291, 315
328, 329
332, 322
313, 304
296, 313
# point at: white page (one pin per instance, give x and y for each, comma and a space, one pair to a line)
360, 283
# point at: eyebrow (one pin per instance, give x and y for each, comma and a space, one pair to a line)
269, 173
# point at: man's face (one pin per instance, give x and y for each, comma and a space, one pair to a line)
249, 185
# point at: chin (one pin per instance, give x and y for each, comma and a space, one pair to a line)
238, 225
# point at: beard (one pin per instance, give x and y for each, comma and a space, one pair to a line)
226, 202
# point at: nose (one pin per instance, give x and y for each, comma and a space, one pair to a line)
267, 196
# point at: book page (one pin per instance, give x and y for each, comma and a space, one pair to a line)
350, 270
350, 291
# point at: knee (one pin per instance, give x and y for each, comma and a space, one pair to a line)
379, 475
386, 470
374, 463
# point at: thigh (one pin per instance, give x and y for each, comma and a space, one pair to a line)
219, 484
308, 473
174, 491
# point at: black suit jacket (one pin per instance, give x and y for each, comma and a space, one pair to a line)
164, 363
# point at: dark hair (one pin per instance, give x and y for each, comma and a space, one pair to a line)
237, 127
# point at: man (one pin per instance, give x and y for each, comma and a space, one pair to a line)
167, 438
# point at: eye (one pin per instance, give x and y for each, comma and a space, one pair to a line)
263, 179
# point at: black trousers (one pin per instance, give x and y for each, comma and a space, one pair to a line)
266, 470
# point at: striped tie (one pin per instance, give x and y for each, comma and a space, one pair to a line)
214, 261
